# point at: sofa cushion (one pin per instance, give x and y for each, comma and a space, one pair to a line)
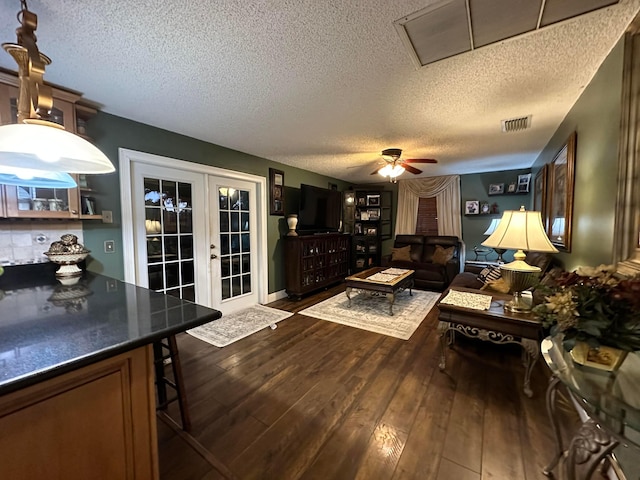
401, 254
489, 274
443, 255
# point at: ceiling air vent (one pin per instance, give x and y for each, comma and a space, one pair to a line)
516, 124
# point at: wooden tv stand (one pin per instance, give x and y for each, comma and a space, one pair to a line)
313, 262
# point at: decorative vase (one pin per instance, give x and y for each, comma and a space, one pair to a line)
603, 358
292, 222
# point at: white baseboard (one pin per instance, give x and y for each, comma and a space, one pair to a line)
272, 297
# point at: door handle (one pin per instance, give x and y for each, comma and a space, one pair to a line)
213, 256
212, 246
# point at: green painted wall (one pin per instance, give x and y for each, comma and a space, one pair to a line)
596, 119
476, 187
111, 132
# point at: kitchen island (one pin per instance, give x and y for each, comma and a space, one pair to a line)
77, 396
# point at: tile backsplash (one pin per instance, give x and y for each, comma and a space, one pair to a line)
22, 243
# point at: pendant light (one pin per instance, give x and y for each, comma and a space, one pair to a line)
35, 142
25, 177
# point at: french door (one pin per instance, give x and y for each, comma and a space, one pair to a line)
170, 230
194, 231
233, 252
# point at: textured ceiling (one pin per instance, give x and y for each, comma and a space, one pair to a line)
321, 85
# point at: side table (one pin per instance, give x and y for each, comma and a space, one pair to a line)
609, 406
493, 325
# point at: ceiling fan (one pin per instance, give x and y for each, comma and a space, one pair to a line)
394, 166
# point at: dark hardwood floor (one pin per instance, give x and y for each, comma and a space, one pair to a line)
317, 400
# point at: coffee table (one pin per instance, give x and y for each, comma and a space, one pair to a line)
493, 325
360, 281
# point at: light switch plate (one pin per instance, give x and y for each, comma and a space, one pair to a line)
109, 246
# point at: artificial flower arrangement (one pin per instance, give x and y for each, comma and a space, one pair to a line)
595, 306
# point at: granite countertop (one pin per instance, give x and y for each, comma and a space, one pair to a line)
47, 328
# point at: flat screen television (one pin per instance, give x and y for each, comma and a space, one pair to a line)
320, 209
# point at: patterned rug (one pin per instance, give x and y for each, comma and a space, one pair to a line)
372, 312
231, 328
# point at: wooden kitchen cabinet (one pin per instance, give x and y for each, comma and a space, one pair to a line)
97, 422
47, 203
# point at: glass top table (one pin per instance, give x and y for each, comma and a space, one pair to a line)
611, 400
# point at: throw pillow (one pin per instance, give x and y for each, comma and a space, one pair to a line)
443, 255
401, 253
498, 285
489, 273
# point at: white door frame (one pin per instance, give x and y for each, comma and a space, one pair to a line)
127, 157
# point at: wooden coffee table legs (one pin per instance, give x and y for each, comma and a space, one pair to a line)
530, 348
391, 297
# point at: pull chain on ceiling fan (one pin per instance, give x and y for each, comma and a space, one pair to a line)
395, 167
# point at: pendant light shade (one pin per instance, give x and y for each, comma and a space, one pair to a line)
35, 142
43, 147
25, 177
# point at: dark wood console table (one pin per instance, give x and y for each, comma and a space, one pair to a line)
493, 325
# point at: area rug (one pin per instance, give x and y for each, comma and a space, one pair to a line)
372, 312
231, 328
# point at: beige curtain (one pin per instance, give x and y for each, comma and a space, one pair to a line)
447, 192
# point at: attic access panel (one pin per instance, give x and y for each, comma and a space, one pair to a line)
452, 27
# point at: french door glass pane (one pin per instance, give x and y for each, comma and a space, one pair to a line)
169, 231
235, 242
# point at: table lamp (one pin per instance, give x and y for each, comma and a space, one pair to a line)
492, 228
520, 230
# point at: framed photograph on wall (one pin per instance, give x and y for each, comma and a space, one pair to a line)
276, 192
496, 189
523, 183
561, 181
472, 207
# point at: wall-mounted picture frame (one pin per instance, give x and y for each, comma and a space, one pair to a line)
485, 208
373, 200
472, 207
540, 193
496, 188
276, 192
561, 180
523, 183
513, 186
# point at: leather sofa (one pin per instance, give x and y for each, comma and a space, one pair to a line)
550, 269
423, 250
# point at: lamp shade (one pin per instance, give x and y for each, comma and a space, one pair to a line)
42, 147
492, 226
520, 230
391, 171
25, 177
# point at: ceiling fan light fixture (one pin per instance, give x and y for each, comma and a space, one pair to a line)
391, 154
35, 142
391, 171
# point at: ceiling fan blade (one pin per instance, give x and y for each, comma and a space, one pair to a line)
411, 169
420, 160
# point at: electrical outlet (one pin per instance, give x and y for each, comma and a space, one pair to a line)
109, 246
107, 216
